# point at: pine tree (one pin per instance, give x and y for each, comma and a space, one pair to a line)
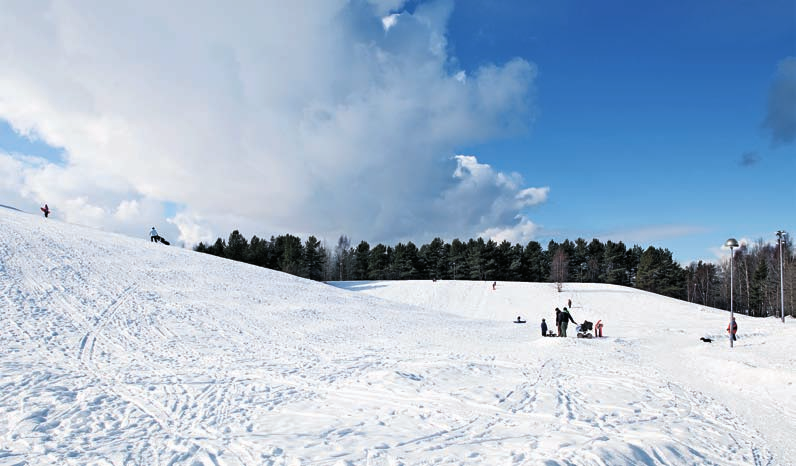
289, 254
458, 260
217, 249
517, 265
258, 252
378, 263
614, 268
502, 261
361, 260
475, 259
580, 260
594, 258
314, 259
758, 290
434, 255
533, 258
237, 246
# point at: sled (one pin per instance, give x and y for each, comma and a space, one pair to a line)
162, 240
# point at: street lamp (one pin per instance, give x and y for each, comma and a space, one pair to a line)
731, 243
780, 235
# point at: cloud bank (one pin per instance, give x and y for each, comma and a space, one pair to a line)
306, 117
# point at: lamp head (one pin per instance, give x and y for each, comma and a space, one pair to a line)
731, 243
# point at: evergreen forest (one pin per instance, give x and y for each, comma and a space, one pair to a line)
756, 267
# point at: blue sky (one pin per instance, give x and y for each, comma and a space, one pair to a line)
655, 123
646, 111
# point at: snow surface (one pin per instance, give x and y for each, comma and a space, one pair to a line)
120, 351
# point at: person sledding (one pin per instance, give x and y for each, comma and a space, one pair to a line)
46, 210
566, 318
154, 237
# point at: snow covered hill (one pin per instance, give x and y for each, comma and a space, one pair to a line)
119, 351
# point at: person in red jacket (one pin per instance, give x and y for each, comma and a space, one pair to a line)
598, 329
46, 211
732, 329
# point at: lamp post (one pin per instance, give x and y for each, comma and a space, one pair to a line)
780, 235
731, 243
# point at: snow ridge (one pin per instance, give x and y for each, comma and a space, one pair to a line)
120, 351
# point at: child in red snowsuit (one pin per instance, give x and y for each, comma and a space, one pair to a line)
598, 328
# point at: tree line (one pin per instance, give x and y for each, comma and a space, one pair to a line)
756, 267
756, 280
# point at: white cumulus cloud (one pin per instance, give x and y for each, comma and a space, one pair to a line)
272, 117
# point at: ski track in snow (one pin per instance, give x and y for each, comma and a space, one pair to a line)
119, 351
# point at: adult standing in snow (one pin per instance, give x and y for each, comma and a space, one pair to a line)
153, 236
544, 328
494, 285
732, 328
566, 317
46, 210
569, 303
558, 322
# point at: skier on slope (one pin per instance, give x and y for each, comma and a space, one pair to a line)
566, 317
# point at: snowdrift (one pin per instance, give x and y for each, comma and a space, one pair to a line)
121, 351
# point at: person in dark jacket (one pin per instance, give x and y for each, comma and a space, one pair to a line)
558, 322
566, 317
544, 328
46, 210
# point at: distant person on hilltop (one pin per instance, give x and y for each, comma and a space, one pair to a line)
46, 210
494, 284
566, 317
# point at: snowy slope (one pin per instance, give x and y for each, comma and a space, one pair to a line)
119, 351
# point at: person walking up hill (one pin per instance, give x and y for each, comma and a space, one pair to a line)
566, 317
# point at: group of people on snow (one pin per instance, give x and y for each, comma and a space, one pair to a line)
563, 318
